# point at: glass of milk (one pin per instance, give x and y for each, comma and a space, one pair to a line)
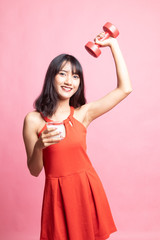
60, 128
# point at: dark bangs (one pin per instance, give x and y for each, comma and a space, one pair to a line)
76, 67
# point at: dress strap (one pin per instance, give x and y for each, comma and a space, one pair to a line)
71, 111
69, 119
45, 118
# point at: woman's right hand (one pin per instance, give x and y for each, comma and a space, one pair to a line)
48, 137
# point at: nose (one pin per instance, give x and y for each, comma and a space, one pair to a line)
68, 80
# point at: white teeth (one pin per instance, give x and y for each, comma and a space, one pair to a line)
67, 88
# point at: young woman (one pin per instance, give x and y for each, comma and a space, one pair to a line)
75, 206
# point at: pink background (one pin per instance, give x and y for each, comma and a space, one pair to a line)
123, 145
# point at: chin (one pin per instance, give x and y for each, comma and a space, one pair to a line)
65, 96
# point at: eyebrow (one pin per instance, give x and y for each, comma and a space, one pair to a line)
64, 70
67, 71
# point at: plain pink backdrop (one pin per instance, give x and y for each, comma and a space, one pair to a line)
123, 144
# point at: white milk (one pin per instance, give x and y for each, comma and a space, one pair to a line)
60, 127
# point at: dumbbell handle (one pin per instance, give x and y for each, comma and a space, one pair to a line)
107, 35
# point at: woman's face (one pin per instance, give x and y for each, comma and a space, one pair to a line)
66, 83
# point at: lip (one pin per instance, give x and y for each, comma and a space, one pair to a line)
65, 88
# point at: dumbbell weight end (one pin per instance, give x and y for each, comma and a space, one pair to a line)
93, 49
111, 30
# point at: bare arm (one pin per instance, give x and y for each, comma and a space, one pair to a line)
35, 145
122, 90
34, 154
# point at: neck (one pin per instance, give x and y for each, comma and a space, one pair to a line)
62, 111
63, 106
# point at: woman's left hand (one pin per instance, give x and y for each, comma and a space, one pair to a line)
106, 42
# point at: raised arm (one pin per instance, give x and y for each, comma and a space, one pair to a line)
123, 89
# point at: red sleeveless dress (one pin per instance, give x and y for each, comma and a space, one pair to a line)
75, 206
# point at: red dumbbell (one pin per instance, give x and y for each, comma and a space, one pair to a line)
110, 30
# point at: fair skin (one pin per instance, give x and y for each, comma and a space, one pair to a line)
66, 85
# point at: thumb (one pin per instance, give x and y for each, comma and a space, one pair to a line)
99, 42
104, 42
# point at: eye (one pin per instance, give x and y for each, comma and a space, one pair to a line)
75, 76
62, 73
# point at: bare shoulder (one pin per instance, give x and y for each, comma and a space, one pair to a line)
32, 117
34, 121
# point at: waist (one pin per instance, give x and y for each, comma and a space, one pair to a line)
67, 174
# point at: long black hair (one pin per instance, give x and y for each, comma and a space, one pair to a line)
48, 99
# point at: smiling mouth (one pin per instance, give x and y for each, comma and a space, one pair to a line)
67, 89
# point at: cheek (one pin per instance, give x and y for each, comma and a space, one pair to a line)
76, 85
57, 82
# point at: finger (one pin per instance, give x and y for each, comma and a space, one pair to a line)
98, 41
53, 139
46, 132
49, 144
49, 129
52, 135
103, 42
100, 35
